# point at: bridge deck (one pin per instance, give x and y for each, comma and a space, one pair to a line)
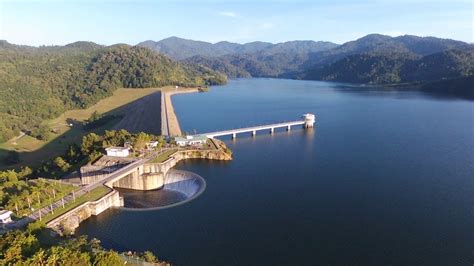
251, 129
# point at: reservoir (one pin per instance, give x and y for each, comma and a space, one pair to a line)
384, 178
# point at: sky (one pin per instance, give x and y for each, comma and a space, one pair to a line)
113, 21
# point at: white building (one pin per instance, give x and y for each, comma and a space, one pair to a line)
190, 140
309, 120
5, 217
118, 151
152, 145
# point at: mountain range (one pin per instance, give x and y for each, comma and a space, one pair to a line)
39, 83
373, 59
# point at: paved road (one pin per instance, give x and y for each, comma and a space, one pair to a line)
70, 197
165, 128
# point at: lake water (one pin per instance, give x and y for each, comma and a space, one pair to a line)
385, 178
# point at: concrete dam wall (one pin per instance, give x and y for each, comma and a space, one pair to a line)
151, 176
69, 221
187, 183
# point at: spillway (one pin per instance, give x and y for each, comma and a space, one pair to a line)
179, 187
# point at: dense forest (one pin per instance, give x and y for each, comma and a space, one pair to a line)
373, 59
41, 83
36, 246
180, 49
389, 68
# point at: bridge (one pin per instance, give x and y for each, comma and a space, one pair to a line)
307, 121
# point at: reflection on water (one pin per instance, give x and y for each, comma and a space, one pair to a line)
180, 187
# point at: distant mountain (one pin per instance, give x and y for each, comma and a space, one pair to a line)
180, 49
372, 59
382, 44
428, 45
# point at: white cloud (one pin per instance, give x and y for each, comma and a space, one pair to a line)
229, 14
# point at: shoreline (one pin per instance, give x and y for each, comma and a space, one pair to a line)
170, 122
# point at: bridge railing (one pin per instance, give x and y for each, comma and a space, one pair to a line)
259, 127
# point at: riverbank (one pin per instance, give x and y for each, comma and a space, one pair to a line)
170, 123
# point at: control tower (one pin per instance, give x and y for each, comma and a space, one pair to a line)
309, 120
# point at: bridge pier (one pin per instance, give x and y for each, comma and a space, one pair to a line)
307, 122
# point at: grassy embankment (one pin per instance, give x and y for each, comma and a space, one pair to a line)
34, 194
92, 195
163, 156
33, 151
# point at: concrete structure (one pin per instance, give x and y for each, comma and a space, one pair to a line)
190, 140
144, 175
5, 216
101, 168
71, 220
118, 151
307, 122
309, 119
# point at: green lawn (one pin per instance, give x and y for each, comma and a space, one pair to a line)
93, 195
33, 151
163, 156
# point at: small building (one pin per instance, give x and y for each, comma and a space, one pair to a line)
191, 140
152, 145
309, 120
5, 217
118, 151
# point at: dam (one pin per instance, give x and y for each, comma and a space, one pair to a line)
147, 173
179, 187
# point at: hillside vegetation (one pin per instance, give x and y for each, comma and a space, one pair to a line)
180, 49
41, 83
372, 59
389, 68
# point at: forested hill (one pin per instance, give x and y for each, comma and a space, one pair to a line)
390, 68
180, 49
372, 59
41, 83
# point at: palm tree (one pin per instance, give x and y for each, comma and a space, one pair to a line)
39, 258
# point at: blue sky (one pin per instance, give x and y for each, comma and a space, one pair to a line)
108, 22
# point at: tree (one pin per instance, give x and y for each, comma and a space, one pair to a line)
89, 143
106, 258
62, 164
94, 117
73, 153
39, 258
149, 256
141, 140
25, 172
42, 132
